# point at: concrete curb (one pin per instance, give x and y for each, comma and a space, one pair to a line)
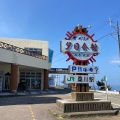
59, 114
12, 95
7, 94
109, 92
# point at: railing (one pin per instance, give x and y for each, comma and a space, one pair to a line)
21, 50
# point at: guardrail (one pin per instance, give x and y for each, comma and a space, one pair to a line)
21, 51
109, 92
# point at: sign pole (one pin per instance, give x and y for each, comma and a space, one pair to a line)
105, 79
106, 91
82, 87
93, 82
75, 85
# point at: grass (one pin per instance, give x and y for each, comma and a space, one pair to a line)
81, 116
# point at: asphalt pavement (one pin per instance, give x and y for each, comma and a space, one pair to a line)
114, 98
36, 106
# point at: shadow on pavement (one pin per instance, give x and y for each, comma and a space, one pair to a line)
43, 97
22, 100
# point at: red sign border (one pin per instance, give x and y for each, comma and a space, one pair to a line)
70, 35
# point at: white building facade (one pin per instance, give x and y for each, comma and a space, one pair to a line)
24, 64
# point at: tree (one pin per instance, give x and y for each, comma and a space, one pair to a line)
109, 87
101, 85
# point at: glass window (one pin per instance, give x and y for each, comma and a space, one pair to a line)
34, 77
27, 73
22, 72
35, 50
50, 55
22, 75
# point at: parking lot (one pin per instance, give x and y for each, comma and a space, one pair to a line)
35, 107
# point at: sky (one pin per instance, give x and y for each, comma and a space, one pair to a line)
50, 20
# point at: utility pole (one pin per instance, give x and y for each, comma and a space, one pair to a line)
117, 32
118, 36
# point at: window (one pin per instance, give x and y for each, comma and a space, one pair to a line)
50, 55
35, 50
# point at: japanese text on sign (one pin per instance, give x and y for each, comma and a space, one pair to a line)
83, 69
79, 79
80, 46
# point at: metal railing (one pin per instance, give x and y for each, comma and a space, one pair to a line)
21, 51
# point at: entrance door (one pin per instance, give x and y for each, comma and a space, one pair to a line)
28, 83
35, 83
32, 83
6, 85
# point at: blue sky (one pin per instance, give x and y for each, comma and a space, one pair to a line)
51, 19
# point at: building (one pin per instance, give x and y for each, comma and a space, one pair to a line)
24, 63
51, 81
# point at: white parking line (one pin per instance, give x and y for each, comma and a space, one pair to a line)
116, 104
114, 97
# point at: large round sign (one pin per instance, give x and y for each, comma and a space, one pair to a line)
80, 46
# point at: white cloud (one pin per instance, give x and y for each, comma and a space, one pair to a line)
115, 61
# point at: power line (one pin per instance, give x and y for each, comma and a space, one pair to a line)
57, 54
105, 36
100, 27
104, 24
59, 59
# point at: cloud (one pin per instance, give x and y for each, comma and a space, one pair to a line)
115, 61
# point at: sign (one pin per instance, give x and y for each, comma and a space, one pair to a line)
81, 56
105, 78
58, 71
79, 79
80, 46
83, 69
77, 46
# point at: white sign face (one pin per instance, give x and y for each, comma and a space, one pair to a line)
83, 69
82, 56
79, 79
78, 46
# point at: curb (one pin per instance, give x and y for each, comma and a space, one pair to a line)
86, 114
2, 96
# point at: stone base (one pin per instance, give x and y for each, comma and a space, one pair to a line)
82, 96
82, 106
57, 113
